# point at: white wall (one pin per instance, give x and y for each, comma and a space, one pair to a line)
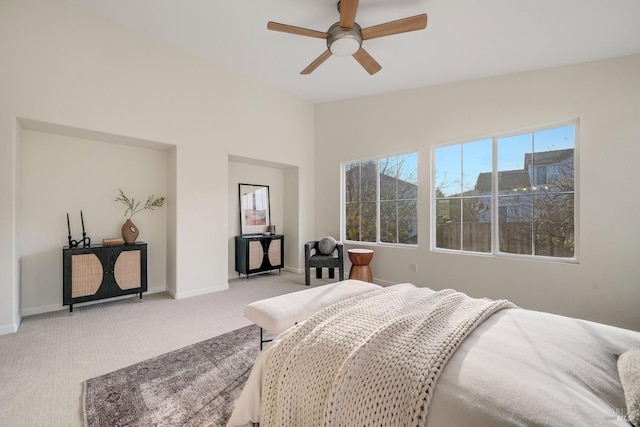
65, 66
63, 175
605, 96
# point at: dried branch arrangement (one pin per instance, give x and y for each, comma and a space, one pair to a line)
134, 207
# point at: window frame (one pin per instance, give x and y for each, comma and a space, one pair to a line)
495, 247
343, 222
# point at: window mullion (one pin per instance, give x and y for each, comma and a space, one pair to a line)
360, 202
378, 201
461, 197
531, 182
397, 202
495, 198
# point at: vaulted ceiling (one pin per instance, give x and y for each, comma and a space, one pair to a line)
464, 39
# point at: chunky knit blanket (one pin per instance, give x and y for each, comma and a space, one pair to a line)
370, 360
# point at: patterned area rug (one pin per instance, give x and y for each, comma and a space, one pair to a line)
192, 386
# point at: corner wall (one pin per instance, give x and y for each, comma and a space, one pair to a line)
65, 66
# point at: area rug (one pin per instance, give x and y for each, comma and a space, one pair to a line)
193, 386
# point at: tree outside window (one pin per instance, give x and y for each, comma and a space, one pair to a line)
530, 186
381, 199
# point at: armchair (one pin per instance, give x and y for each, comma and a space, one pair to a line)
314, 258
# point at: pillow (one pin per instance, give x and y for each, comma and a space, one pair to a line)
327, 245
629, 370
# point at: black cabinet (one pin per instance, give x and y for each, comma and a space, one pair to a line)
101, 272
259, 253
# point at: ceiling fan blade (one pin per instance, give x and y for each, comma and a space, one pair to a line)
413, 23
367, 61
296, 30
317, 62
348, 9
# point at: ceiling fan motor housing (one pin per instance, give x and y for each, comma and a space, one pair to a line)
344, 41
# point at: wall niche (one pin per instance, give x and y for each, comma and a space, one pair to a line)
66, 170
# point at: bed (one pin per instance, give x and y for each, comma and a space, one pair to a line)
405, 355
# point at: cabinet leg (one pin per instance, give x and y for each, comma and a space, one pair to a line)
70, 309
140, 297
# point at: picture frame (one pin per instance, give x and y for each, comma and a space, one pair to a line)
255, 208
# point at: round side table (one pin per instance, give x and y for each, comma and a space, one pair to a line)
360, 269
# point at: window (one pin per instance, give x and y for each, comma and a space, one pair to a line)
540, 177
507, 195
380, 200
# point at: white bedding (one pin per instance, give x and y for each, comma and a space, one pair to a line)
519, 367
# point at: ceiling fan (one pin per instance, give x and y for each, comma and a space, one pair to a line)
345, 37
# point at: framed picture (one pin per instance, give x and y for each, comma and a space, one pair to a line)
255, 208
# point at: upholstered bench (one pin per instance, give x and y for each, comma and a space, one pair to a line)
279, 313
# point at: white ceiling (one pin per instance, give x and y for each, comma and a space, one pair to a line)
464, 39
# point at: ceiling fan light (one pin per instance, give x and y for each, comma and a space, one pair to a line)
344, 46
344, 41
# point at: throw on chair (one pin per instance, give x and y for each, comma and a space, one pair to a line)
324, 253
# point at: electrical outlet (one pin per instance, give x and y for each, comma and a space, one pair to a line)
414, 268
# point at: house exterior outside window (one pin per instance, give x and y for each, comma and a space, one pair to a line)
509, 195
380, 200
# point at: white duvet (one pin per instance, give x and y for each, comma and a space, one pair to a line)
519, 367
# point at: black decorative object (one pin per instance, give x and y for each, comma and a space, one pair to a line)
103, 272
86, 241
257, 253
72, 243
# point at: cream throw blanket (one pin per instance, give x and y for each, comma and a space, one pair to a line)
373, 359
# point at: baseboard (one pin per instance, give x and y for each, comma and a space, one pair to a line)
155, 290
235, 275
57, 307
383, 282
197, 292
41, 309
9, 329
